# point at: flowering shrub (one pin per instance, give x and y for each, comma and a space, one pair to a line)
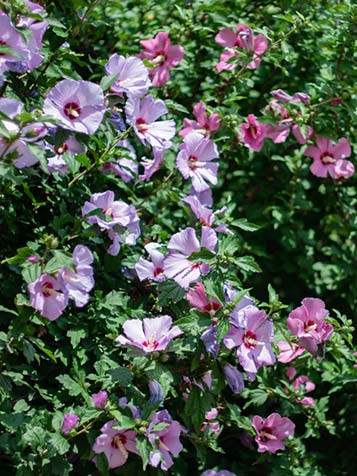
178, 260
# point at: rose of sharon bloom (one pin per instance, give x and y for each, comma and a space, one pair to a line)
153, 165
234, 378
57, 163
195, 161
78, 284
203, 125
289, 351
166, 441
283, 96
142, 115
77, 105
177, 265
126, 167
153, 269
329, 159
206, 216
253, 133
252, 334
100, 399
70, 421
10, 38
25, 158
301, 384
133, 78
244, 39
307, 322
149, 335
162, 55
272, 431
46, 296
115, 444
199, 301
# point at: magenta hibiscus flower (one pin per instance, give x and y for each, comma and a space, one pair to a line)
46, 296
329, 159
153, 269
204, 124
199, 300
272, 431
149, 335
195, 161
253, 133
162, 55
244, 39
133, 78
115, 444
77, 105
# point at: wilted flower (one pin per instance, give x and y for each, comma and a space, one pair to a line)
307, 322
329, 159
77, 105
162, 55
253, 133
149, 335
153, 269
156, 392
47, 297
70, 421
132, 76
244, 39
272, 431
195, 161
153, 165
100, 399
165, 441
177, 265
203, 125
142, 115
115, 444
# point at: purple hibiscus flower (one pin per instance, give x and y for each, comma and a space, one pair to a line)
70, 421
253, 133
126, 167
46, 296
153, 165
307, 322
78, 284
195, 161
178, 266
149, 335
153, 269
100, 399
272, 431
77, 105
203, 125
57, 163
142, 115
206, 216
234, 378
133, 77
165, 441
9, 37
115, 444
252, 333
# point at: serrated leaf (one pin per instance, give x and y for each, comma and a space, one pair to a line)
244, 224
170, 292
122, 376
144, 447
248, 263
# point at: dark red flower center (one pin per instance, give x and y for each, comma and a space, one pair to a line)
151, 344
158, 271
212, 306
250, 340
72, 110
266, 434
46, 289
160, 58
119, 441
108, 212
252, 131
3, 43
309, 326
192, 162
61, 149
327, 158
141, 125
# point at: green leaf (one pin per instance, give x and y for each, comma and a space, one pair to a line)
107, 81
59, 443
31, 273
222, 328
8, 311
144, 447
248, 263
244, 224
122, 376
170, 292
204, 255
59, 260
76, 335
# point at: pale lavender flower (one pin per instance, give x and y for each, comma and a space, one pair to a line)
205, 197
47, 297
77, 105
115, 444
149, 335
70, 421
57, 163
153, 165
133, 77
209, 338
156, 392
271, 432
166, 441
9, 37
78, 284
100, 399
195, 161
126, 167
206, 216
135, 411
234, 378
177, 264
283, 96
153, 269
142, 115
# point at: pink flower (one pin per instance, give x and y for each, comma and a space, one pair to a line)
46, 296
205, 215
153, 165
100, 399
77, 105
149, 335
272, 431
70, 421
162, 55
142, 115
242, 40
133, 78
195, 161
307, 322
329, 159
165, 441
178, 266
288, 351
153, 269
253, 133
203, 125
199, 301
115, 444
